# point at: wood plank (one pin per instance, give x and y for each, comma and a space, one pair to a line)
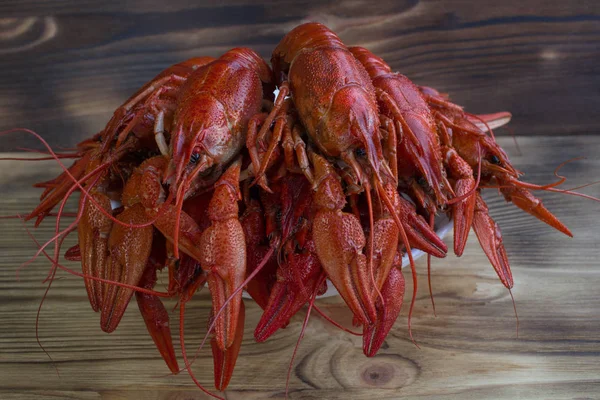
67, 65
469, 351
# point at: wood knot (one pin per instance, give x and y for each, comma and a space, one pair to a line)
21, 34
352, 370
378, 374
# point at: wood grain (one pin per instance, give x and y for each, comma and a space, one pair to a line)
468, 351
66, 65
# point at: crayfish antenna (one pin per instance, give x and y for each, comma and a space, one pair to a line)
515, 308
78, 183
85, 195
188, 365
52, 196
431, 220
50, 279
335, 323
102, 280
304, 324
56, 265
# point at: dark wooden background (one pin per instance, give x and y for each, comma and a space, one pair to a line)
66, 65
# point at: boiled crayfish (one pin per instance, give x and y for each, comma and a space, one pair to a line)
224, 185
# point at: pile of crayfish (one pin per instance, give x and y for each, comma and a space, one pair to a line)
205, 174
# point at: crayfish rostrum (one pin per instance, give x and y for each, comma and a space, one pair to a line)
219, 183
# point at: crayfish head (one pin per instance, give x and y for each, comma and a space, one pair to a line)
367, 151
197, 151
474, 148
494, 161
364, 156
351, 126
424, 154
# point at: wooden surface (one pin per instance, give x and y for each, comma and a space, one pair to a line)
66, 65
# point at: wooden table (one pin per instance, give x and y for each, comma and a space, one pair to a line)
65, 67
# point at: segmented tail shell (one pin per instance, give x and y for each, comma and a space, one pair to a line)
305, 37
248, 58
374, 65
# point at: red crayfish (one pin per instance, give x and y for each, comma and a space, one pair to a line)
204, 173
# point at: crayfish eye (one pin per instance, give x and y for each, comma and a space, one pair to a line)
495, 160
422, 182
360, 152
194, 157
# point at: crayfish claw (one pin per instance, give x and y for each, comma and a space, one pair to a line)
527, 202
152, 308
420, 235
339, 242
129, 249
224, 360
485, 122
93, 230
297, 281
462, 214
393, 295
490, 238
156, 318
226, 323
223, 255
